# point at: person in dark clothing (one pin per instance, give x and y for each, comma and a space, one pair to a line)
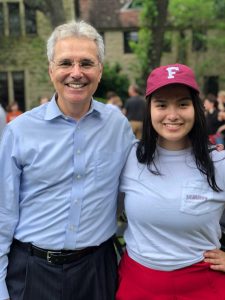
134, 109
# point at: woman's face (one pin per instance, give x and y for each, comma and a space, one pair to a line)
172, 114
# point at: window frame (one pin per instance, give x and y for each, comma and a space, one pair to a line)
126, 40
11, 88
22, 18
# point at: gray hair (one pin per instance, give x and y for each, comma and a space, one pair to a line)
75, 29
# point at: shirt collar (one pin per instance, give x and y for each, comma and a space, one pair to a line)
53, 111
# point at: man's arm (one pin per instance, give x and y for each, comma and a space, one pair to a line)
9, 202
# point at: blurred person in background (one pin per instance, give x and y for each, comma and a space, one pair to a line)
221, 100
114, 99
13, 111
212, 121
134, 109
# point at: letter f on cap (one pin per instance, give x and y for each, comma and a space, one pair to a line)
171, 71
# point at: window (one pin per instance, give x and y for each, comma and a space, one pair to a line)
1, 20
133, 4
12, 88
199, 40
129, 36
17, 18
4, 89
77, 8
14, 19
18, 88
30, 20
136, 4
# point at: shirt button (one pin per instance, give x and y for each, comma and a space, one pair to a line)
72, 227
78, 176
78, 151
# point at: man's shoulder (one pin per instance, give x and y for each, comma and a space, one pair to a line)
109, 110
26, 118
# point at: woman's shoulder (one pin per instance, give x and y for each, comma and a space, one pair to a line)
132, 163
218, 156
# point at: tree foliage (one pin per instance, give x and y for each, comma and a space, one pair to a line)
113, 80
191, 13
157, 17
198, 16
153, 19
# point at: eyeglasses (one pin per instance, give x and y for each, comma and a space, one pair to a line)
68, 64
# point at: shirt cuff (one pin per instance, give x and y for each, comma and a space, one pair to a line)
3, 291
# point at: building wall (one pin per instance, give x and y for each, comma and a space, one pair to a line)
114, 51
28, 54
205, 63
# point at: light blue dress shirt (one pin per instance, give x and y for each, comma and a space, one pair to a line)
59, 178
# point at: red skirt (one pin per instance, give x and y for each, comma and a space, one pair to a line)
197, 282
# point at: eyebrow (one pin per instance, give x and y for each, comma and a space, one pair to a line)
80, 60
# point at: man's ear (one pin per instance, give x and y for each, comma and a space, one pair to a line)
50, 71
101, 71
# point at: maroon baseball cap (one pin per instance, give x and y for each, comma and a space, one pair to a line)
171, 74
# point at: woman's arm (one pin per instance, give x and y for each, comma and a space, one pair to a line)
216, 258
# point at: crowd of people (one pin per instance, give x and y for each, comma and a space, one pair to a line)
63, 163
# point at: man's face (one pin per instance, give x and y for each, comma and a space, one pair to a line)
75, 73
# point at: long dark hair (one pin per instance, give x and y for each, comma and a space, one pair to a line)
198, 137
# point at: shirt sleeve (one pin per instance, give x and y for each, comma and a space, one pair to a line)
9, 201
129, 169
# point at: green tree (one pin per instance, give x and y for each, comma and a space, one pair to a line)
153, 20
113, 80
194, 15
157, 17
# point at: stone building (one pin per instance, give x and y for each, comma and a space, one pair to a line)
23, 61
23, 33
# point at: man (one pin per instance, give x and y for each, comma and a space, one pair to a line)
134, 109
60, 168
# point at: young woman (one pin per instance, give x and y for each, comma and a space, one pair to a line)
175, 196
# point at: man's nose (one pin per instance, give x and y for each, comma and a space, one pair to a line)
76, 70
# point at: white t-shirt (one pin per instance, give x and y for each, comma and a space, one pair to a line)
174, 217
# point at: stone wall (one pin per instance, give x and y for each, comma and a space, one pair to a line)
28, 54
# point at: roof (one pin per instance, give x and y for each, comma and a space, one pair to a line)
108, 14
